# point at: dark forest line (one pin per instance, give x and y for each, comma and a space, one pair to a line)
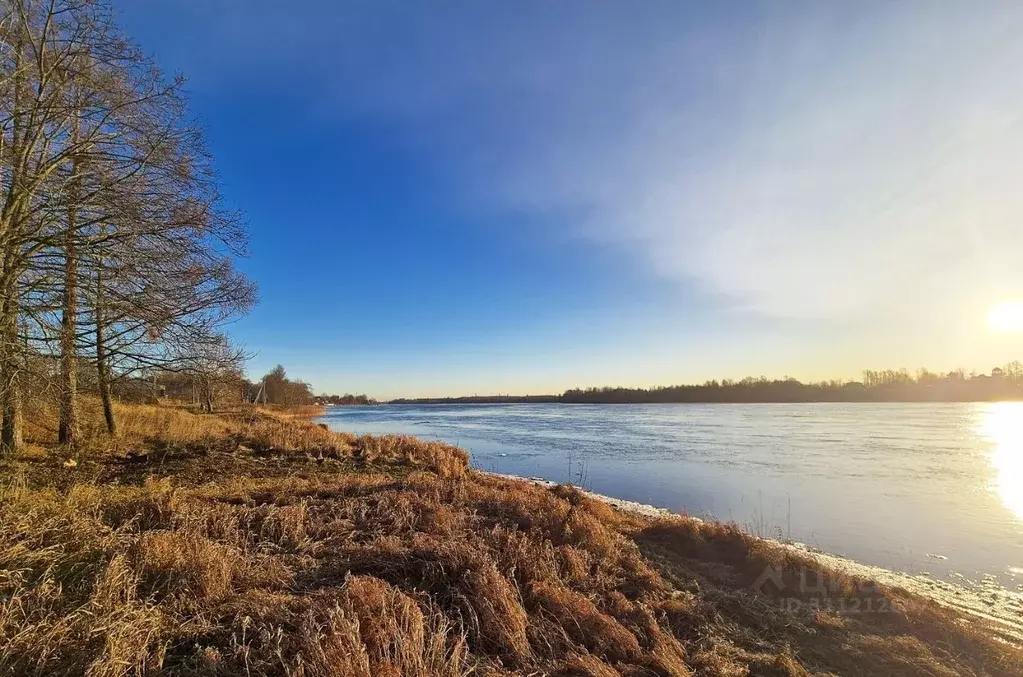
482, 399
1003, 383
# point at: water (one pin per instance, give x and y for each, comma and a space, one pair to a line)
934, 488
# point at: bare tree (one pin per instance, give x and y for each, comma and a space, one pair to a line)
279, 389
114, 246
216, 366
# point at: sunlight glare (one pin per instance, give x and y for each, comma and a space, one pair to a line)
1002, 424
1007, 317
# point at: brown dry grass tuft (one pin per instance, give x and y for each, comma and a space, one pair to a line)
182, 563
253, 544
584, 623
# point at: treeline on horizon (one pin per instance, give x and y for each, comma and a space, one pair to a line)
481, 399
346, 400
890, 385
189, 387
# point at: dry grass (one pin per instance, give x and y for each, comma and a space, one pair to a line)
136, 422
175, 441
295, 411
306, 552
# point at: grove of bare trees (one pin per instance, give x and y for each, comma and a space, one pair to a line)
116, 250
276, 388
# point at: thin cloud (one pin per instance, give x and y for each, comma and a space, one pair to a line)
804, 161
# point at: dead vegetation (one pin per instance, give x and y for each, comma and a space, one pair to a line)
310, 553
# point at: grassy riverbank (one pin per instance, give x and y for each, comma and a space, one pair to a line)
254, 544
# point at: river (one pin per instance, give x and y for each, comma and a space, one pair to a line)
921, 488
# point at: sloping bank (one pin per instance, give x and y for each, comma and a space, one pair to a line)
254, 545
985, 600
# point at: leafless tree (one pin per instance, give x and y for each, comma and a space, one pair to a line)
216, 367
114, 245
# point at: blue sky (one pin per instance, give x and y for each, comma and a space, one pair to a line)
476, 197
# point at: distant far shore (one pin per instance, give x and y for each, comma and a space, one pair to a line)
557, 399
877, 386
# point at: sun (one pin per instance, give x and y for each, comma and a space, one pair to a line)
1007, 317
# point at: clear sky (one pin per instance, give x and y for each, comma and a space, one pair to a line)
477, 197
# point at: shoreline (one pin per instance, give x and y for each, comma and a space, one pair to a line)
986, 599
888, 400
321, 547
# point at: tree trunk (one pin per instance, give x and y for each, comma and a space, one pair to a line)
10, 380
10, 389
67, 431
103, 371
68, 427
11, 437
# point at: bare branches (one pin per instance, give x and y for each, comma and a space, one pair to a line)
115, 246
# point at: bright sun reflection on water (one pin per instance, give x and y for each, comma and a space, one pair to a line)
1002, 423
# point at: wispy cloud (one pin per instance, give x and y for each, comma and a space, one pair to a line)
811, 160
